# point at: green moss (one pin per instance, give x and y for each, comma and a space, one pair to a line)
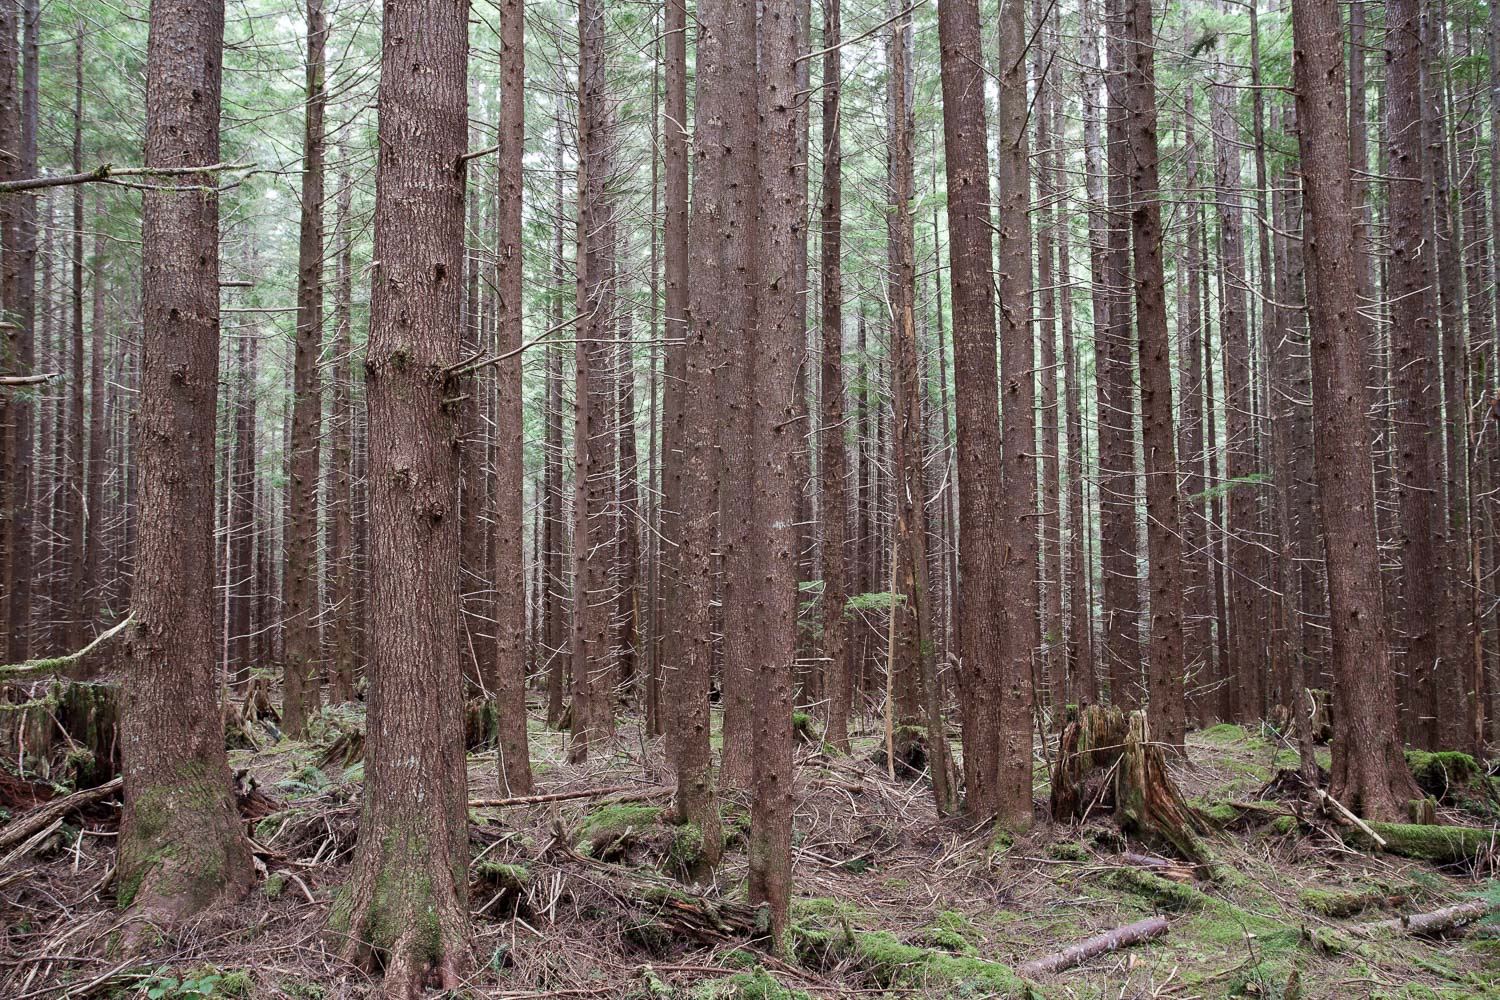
1437, 771
890, 964
616, 819
502, 876
1283, 825
755, 985
687, 846
275, 886
1068, 850
1440, 844
1337, 902
824, 906
1224, 732
1161, 892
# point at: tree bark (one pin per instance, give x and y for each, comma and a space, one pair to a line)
1369, 774
977, 411
300, 678
510, 566
1164, 683
832, 462
776, 435
181, 845
404, 908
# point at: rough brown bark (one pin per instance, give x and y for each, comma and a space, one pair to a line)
1416, 392
404, 908
181, 845
1019, 637
300, 677
692, 314
832, 463
341, 567
73, 486
1369, 774
509, 682
1164, 683
977, 410
593, 677
1119, 533
776, 435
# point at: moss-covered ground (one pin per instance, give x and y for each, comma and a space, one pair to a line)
569, 897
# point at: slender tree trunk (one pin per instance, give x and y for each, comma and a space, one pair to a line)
405, 907
74, 487
341, 493
1163, 523
95, 523
1369, 774
971, 249
689, 501
510, 566
832, 463
300, 694
776, 435
181, 844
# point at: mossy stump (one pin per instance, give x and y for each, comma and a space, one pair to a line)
62, 730
1107, 761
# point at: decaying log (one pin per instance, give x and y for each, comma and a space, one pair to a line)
626, 793
39, 819
1434, 922
1161, 866
1107, 762
1077, 954
1444, 845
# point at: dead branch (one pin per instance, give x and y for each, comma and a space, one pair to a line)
1099, 944
40, 819
59, 664
107, 172
628, 793
1434, 922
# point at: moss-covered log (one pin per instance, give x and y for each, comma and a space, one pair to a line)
1440, 844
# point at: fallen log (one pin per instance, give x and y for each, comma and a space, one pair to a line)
39, 819
1444, 845
1434, 922
627, 793
1161, 866
1099, 944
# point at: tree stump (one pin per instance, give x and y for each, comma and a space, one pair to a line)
1106, 763
62, 730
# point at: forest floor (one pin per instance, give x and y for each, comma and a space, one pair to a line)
573, 898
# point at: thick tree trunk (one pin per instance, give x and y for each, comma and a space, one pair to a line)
405, 908
181, 845
1369, 774
593, 676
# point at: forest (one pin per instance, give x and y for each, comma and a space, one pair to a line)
749, 499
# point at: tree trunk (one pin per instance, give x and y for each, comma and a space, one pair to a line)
341, 488
181, 845
1163, 537
1369, 774
300, 685
510, 565
832, 463
977, 412
693, 316
1019, 636
405, 909
776, 436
